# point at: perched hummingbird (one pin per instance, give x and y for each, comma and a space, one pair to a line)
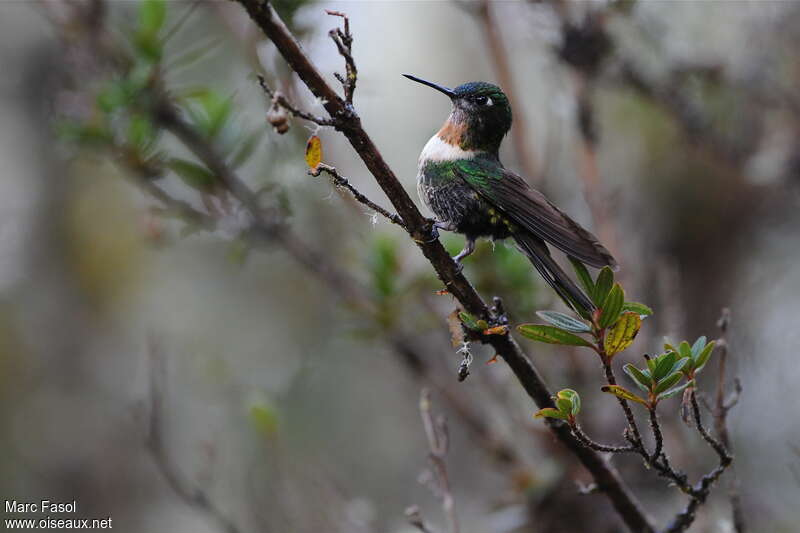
462, 180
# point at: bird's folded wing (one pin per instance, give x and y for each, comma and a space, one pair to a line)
529, 209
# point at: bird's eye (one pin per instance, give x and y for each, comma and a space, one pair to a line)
481, 100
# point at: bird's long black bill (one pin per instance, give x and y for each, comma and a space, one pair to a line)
441, 88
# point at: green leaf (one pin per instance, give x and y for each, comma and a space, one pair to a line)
651, 364
564, 321
672, 392
667, 382
622, 392
468, 320
141, 132
698, 346
152, 14
684, 349
194, 175
703, 356
622, 334
612, 306
583, 275
87, 134
218, 111
572, 397
642, 381
679, 364
576, 404
113, 96
605, 279
552, 335
564, 405
265, 419
549, 412
636, 307
664, 363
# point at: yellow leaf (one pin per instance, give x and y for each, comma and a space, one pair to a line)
622, 334
313, 152
496, 330
622, 392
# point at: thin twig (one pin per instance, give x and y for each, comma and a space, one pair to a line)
717, 446
340, 181
720, 414
635, 437
156, 446
344, 43
657, 436
584, 438
438, 444
414, 517
281, 100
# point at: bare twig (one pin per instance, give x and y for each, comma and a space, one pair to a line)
700, 491
344, 43
720, 414
340, 181
414, 517
438, 444
657, 436
282, 101
156, 446
585, 439
717, 446
420, 230
635, 437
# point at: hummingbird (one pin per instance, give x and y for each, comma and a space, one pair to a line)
462, 181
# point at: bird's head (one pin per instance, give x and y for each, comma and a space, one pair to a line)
480, 118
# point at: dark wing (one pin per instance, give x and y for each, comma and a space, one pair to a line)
529, 209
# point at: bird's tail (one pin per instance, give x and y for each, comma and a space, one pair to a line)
536, 250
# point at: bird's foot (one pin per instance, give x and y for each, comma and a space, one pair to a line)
433, 230
435, 225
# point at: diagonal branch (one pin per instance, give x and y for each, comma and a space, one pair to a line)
419, 228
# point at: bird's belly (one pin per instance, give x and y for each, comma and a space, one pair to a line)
456, 203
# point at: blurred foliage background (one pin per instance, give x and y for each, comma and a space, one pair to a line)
289, 408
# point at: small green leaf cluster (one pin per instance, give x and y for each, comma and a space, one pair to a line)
474, 324
613, 325
661, 377
568, 405
697, 354
126, 110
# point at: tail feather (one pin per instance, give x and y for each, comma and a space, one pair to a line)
536, 250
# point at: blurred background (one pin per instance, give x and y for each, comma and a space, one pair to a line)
185, 380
